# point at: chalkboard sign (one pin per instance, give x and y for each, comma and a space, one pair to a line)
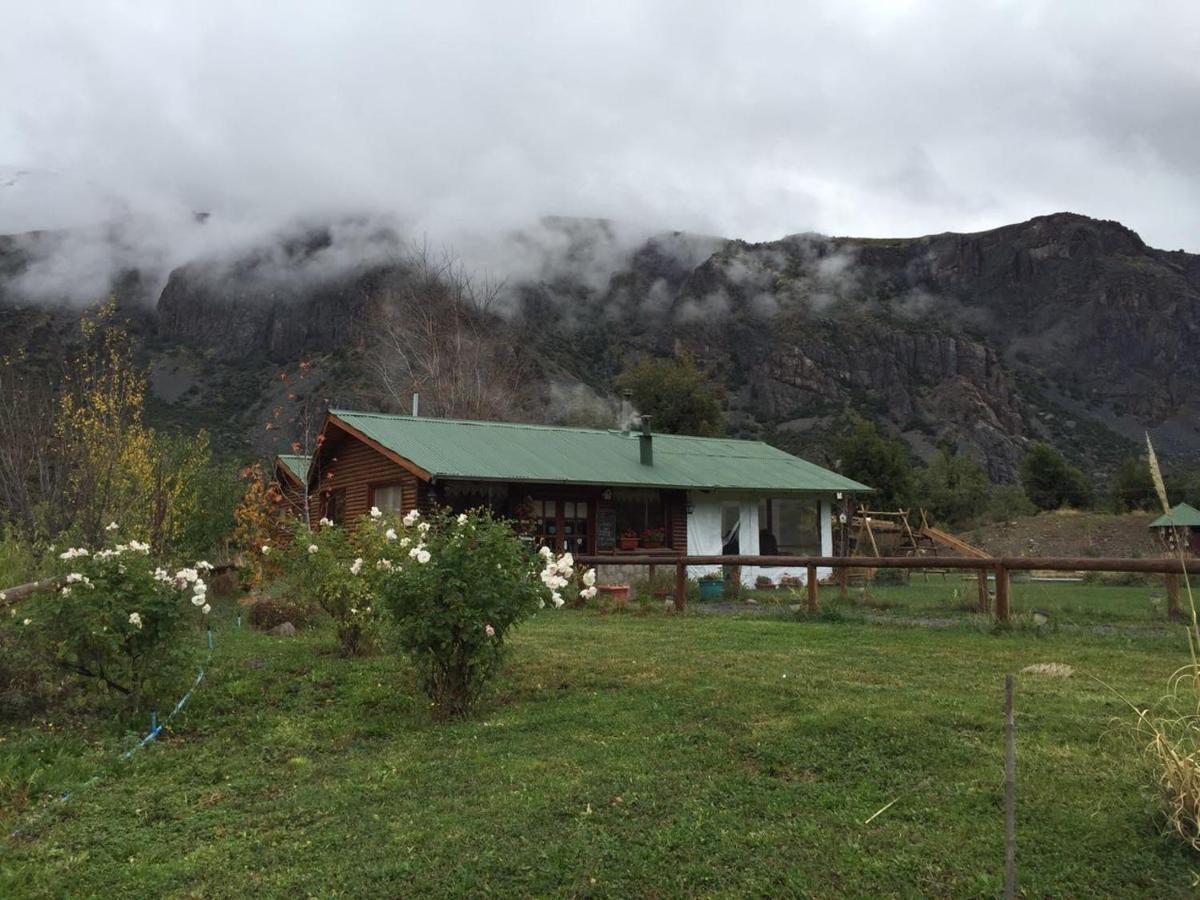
606, 528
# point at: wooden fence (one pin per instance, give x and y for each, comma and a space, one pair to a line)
999, 567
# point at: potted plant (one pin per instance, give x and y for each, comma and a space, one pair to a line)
629, 540
653, 538
618, 593
712, 586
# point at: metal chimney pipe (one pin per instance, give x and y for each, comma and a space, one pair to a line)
646, 442
416, 405
626, 411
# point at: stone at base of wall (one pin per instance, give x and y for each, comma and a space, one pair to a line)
631, 574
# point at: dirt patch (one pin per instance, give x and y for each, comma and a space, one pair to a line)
1067, 533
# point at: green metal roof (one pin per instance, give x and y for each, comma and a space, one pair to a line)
501, 451
1180, 516
297, 465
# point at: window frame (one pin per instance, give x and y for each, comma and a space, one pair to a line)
383, 485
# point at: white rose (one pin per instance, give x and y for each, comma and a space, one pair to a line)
390, 534
375, 513
135, 620
423, 556
312, 548
207, 609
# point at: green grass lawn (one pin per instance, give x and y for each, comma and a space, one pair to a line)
621, 756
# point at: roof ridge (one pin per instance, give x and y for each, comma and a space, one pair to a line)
495, 423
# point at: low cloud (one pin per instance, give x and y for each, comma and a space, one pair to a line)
461, 124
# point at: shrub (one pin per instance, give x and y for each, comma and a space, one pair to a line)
1008, 502
891, 576
455, 586
1050, 482
268, 612
118, 620
326, 568
26, 683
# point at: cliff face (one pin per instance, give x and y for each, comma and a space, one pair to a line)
1063, 327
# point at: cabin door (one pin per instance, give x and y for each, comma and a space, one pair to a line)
562, 525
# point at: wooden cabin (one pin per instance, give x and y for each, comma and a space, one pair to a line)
589, 491
1178, 528
289, 474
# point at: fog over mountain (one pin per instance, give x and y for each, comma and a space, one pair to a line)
458, 122
640, 178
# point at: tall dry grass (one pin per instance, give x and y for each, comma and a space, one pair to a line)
1172, 727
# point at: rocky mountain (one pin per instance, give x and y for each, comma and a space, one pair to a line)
1062, 328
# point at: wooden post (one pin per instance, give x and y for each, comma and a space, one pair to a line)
844, 581
812, 589
1010, 790
680, 586
1173, 611
1001, 594
985, 602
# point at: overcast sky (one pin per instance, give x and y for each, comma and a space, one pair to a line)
747, 119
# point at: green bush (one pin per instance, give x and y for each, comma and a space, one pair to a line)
1050, 482
26, 682
120, 621
325, 568
455, 586
269, 612
1008, 502
891, 577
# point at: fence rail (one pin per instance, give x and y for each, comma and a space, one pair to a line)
999, 567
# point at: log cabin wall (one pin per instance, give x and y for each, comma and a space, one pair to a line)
354, 470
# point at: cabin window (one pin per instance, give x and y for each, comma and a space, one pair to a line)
789, 527
561, 525
335, 506
388, 498
639, 511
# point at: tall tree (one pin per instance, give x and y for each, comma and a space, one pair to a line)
441, 338
866, 455
953, 488
1051, 482
676, 394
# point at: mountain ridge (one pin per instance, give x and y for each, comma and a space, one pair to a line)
1061, 328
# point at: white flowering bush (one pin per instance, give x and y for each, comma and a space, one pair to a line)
454, 586
325, 567
119, 619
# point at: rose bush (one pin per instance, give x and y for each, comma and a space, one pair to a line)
455, 585
121, 620
328, 567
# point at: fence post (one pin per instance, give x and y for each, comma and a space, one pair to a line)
843, 581
812, 589
985, 602
1001, 594
1010, 790
680, 586
1173, 612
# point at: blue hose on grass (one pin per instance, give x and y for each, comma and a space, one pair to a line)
155, 730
